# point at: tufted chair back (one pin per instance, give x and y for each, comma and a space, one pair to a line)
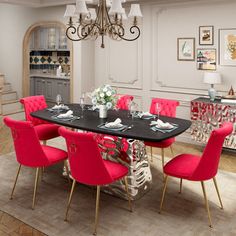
122, 102
31, 104
168, 107
86, 163
208, 166
28, 150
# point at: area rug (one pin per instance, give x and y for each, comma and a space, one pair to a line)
183, 214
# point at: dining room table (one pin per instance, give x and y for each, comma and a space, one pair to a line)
123, 144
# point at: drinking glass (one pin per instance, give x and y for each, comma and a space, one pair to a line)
158, 109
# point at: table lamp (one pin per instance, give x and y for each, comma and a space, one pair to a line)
212, 78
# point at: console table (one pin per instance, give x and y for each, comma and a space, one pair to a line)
207, 115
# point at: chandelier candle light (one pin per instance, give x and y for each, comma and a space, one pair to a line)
106, 19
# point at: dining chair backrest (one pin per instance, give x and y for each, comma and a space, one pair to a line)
208, 165
28, 149
167, 107
31, 104
123, 101
86, 163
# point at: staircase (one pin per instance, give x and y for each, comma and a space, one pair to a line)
9, 102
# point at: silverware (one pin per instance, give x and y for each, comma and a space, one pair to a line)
127, 128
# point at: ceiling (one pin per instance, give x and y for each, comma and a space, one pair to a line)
46, 3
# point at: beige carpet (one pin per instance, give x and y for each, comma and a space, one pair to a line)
183, 214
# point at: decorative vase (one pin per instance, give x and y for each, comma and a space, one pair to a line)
102, 111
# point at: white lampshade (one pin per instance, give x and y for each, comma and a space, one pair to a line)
70, 11
124, 16
212, 78
81, 8
135, 11
93, 14
116, 7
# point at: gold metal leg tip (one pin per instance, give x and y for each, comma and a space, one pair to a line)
94, 233
211, 226
66, 220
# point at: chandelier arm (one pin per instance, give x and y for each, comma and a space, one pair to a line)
133, 29
72, 30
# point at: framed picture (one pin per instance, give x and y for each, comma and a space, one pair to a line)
186, 49
206, 35
206, 59
227, 47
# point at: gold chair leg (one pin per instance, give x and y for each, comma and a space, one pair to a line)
180, 185
206, 203
172, 151
218, 193
14, 186
70, 197
163, 193
163, 161
35, 186
97, 210
67, 170
128, 195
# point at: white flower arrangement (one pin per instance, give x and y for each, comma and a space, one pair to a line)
104, 95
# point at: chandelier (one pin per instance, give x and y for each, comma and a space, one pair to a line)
106, 19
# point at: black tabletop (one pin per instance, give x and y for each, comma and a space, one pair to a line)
140, 130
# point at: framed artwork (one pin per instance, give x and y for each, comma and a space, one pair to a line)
227, 47
186, 49
206, 59
206, 35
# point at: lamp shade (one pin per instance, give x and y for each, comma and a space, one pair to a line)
70, 11
212, 78
135, 11
81, 7
116, 7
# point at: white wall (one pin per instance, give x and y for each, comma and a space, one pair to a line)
14, 21
156, 72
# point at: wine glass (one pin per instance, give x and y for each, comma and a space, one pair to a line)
133, 109
58, 99
82, 104
158, 109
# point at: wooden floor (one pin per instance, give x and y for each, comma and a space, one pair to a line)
10, 226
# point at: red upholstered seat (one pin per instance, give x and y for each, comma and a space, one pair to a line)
29, 151
168, 108
123, 101
44, 129
196, 168
87, 165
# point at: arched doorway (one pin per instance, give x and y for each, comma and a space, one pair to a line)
27, 56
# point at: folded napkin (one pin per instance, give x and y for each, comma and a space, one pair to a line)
163, 125
61, 106
145, 114
68, 114
114, 124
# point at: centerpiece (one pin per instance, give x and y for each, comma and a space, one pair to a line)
104, 98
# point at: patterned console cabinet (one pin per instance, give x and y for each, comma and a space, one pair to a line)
207, 115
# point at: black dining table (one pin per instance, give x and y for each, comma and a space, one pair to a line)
125, 146
90, 121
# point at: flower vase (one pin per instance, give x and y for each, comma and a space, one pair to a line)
102, 111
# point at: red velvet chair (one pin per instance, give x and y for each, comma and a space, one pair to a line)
196, 168
88, 167
44, 129
168, 108
122, 102
29, 151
